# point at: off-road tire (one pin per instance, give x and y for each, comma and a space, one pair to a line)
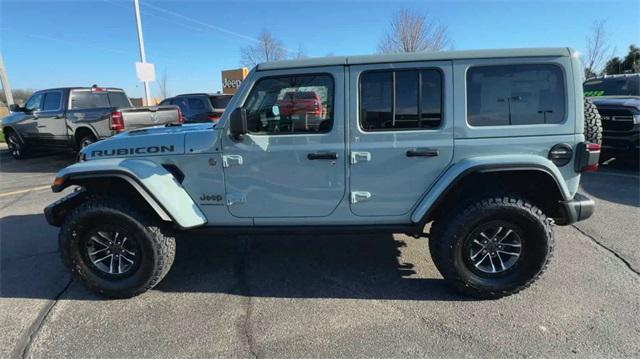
447, 238
157, 248
592, 123
17, 148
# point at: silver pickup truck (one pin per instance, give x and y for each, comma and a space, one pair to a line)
75, 117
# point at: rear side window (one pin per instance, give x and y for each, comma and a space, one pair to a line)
515, 95
196, 104
52, 101
400, 100
90, 99
220, 101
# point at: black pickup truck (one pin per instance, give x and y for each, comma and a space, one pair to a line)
617, 98
75, 117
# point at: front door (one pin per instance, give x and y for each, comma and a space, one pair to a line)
292, 161
401, 134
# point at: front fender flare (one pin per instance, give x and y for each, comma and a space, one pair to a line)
485, 164
156, 185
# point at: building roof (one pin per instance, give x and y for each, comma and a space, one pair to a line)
414, 57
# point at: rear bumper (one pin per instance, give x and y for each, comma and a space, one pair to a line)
577, 209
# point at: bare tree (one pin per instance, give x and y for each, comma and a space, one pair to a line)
301, 53
412, 32
268, 48
162, 85
597, 48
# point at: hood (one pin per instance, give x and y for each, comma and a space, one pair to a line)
145, 142
621, 101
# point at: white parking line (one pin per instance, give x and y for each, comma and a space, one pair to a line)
32, 189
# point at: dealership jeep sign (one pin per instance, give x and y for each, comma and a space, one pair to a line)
231, 79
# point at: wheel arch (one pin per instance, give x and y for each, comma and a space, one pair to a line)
154, 184
80, 131
8, 128
537, 182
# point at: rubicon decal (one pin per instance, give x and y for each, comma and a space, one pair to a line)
132, 151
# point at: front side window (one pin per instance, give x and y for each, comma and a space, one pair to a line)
52, 101
291, 104
400, 100
515, 95
34, 102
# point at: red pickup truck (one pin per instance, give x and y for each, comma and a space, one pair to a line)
300, 103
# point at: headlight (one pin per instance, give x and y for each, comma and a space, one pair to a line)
636, 119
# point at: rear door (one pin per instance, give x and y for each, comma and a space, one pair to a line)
51, 120
400, 134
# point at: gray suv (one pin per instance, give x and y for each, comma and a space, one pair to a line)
480, 151
200, 107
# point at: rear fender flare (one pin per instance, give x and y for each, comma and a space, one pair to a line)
157, 186
459, 171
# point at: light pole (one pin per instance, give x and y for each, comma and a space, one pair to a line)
5, 84
143, 57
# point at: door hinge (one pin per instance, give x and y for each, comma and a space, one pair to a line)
360, 196
230, 160
360, 157
235, 198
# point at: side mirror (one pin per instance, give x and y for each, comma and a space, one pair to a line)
238, 123
15, 108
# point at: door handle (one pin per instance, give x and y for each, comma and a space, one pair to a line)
422, 152
322, 156
41, 126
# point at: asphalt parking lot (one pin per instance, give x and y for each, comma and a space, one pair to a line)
319, 296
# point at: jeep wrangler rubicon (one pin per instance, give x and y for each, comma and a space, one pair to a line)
483, 148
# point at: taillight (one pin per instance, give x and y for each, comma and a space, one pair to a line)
180, 119
116, 122
587, 157
214, 117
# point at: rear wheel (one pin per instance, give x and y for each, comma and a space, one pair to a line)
114, 248
85, 141
16, 147
493, 247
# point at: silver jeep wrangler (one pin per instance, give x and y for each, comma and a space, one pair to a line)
484, 149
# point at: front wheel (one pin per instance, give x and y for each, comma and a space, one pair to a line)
16, 147
493, 247
115, 249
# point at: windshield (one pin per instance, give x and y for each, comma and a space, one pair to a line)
615, 86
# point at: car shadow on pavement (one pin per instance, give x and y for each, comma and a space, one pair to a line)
339, 266
617, 184
321, 266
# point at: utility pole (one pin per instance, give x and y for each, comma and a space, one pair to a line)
5, 83
143, 57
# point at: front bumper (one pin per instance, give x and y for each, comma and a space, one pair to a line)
577, 209
58, 210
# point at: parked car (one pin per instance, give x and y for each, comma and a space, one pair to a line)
200, 107
74, 117
300, 103
617, 98
489, 179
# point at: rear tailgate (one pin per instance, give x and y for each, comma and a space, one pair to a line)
138, 117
